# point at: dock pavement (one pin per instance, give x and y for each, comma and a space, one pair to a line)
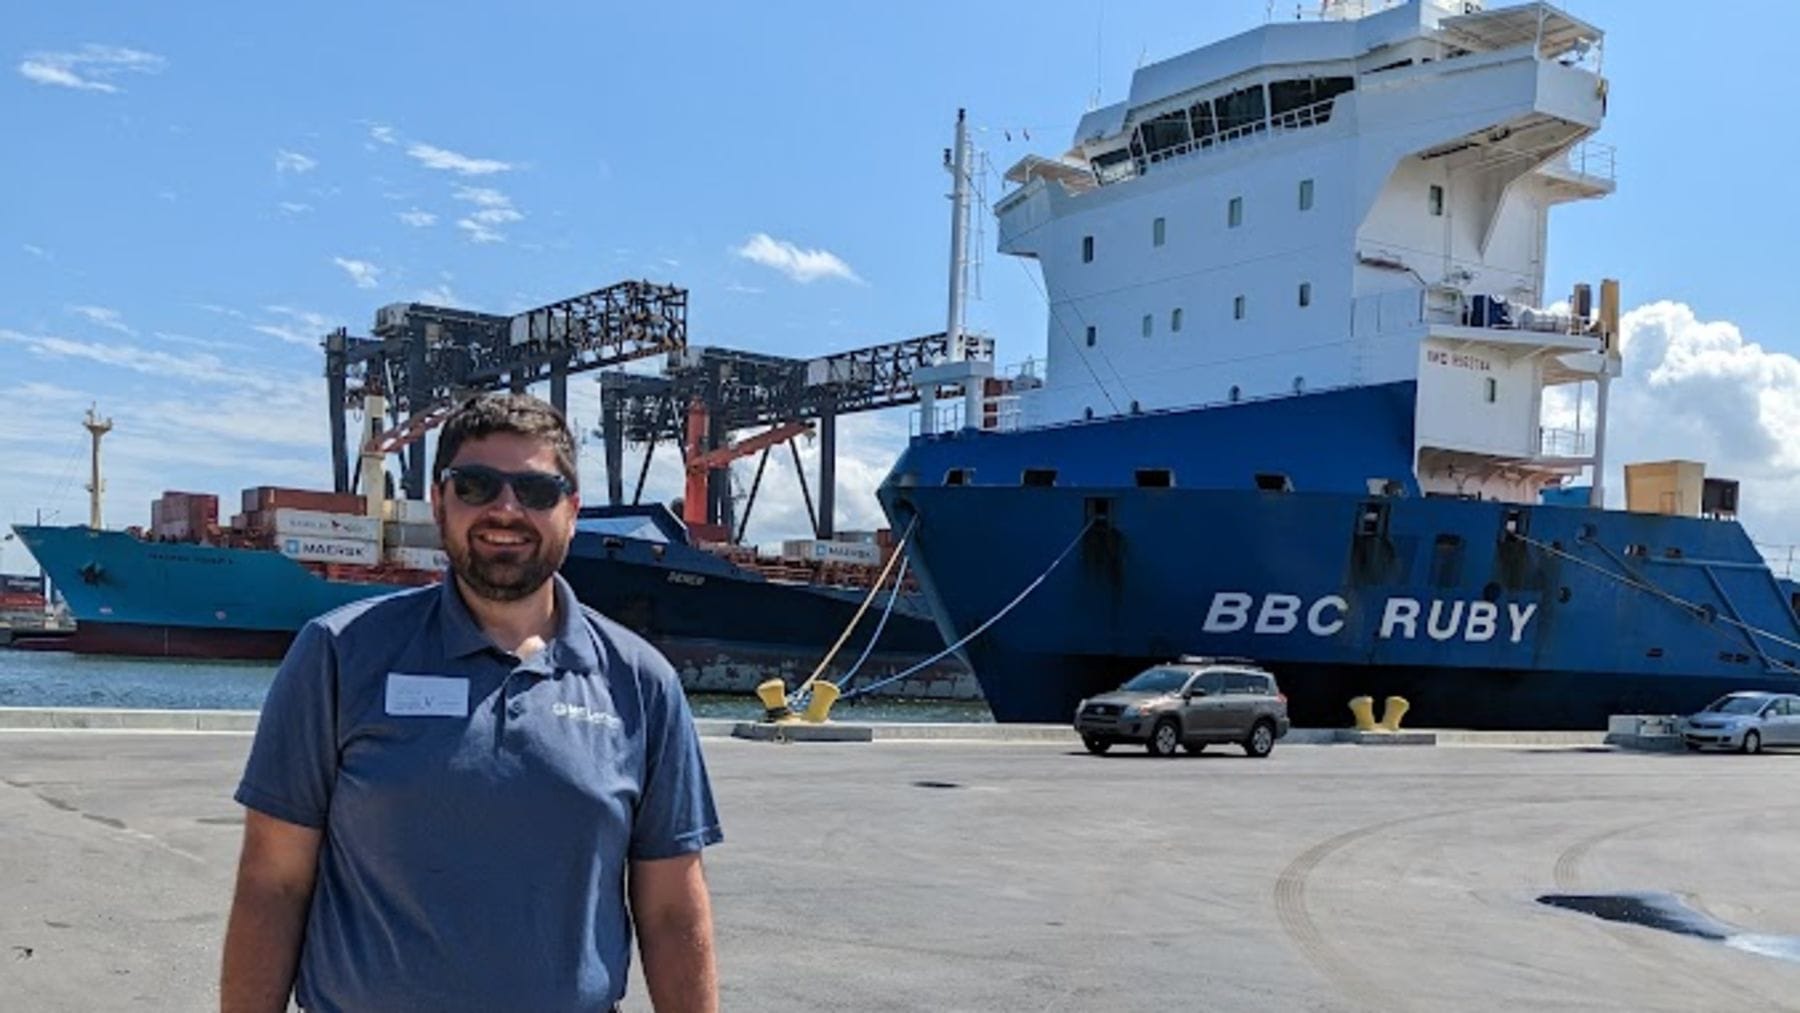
1020, 873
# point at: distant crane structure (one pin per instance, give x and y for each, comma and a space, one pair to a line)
424, 359
706, 394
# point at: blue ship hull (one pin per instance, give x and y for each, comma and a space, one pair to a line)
1481, 614
726, 626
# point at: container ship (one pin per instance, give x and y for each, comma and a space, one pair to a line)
190, 587
1308, 401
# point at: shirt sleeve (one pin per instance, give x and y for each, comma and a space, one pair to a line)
293, 759
675, 814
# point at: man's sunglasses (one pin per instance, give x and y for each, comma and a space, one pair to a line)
478, 485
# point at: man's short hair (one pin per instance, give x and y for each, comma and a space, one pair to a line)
486, 414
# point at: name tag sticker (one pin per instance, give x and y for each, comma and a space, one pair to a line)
427, 696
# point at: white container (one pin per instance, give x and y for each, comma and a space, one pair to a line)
434, 560
310, 549
315, 523
831, 552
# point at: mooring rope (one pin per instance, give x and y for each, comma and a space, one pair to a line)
979, 630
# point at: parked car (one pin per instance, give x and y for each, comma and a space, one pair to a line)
1190, 703
1745, 722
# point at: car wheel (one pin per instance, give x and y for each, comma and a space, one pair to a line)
1194, 748
1692, 747
1095, 744
1752, 742
1165, 738
1261, 740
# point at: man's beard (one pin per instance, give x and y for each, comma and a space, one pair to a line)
516, 576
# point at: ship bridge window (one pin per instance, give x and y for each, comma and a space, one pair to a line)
1165, 135
959, 476
1234, 213
1306, 195
1112, 166
1159, 231
1155, 478
1434, 201
1175, 319
1241, 112
1038, 477
1087, 249
1200, 115
1306, 101
1274, 481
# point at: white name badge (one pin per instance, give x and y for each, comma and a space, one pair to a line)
427, 696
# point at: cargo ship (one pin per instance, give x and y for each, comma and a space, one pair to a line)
1308, 401
189, 587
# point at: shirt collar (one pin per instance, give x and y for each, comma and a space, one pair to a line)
572, 649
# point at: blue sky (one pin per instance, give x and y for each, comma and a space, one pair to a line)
195, 192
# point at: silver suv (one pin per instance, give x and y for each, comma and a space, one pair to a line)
1189, 704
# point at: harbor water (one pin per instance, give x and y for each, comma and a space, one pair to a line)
60, 679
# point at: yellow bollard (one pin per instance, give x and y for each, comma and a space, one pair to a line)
1364, 709
818, 709
1392, 712
773, 694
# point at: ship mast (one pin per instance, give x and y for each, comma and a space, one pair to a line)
971, 374
96, 427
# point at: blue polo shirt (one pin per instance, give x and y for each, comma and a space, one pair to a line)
478, 811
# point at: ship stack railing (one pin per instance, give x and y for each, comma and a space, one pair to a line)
1558, 441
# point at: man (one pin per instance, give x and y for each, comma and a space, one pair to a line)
454, 790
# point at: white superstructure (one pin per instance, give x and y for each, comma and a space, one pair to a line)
1340, 202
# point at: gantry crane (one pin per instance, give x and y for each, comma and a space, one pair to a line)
423, 359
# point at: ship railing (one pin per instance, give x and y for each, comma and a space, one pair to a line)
999, 413
1554, 441
1594, 159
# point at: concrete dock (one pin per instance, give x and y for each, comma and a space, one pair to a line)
1027, 875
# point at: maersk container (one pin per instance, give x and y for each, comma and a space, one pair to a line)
310, 549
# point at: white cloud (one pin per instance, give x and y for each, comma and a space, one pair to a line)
37, 251
451, 161
104, 317
494, 209
90, 68
303, 328
382, 133
183, 339
1698, 390
742, 289
293, 161
803, 266
209, 369
440, 295
363, 273
417, 219
224, 311
294, 207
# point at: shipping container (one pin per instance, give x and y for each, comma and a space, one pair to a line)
16, 583
830, 552
308, 549
420, 559
289, 521
408, 511
267, 498
412, 536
